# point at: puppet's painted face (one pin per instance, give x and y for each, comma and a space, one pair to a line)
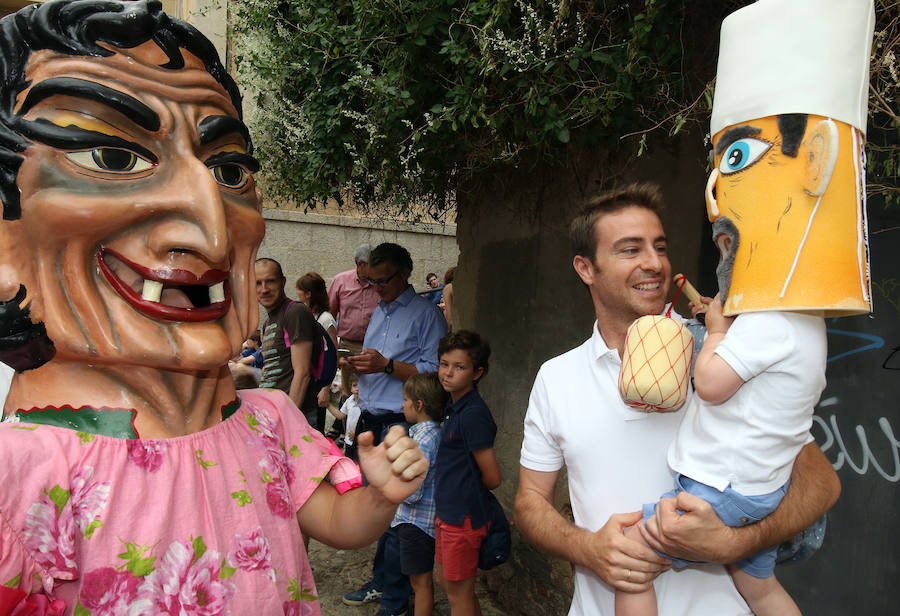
783, 247
140, 217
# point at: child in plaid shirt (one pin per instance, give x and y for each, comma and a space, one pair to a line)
424, 401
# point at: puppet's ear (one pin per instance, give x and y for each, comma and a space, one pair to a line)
821, 151
9, 248
712, 206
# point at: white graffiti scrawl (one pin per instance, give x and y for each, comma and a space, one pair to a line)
865, 457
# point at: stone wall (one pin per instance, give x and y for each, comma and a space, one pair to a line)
325, 243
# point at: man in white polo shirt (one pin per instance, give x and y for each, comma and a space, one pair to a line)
616, 456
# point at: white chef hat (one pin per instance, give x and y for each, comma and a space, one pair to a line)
794, 56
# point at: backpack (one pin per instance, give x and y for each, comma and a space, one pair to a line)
323, 364
324, 359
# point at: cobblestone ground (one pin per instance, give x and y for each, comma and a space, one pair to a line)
339, 571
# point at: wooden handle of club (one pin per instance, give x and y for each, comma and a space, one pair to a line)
687, 288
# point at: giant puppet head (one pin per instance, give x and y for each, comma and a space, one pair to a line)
787, 192
130, 215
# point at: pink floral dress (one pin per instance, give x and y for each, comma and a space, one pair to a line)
203, 524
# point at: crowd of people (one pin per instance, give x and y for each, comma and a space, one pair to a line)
398, 365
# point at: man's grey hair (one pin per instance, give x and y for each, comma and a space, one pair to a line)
362, 253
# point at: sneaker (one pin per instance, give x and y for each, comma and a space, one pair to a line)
362, 595
383, 611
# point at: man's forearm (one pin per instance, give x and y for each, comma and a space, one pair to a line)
403, 371
814, 489
546, 528
297, 391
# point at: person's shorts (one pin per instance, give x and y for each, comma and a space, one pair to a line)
734, 509
416, 550
456, 548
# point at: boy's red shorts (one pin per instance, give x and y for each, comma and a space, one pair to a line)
456, 548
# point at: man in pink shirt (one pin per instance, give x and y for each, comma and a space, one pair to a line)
352, 300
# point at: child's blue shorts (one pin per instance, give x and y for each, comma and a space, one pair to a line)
733, 509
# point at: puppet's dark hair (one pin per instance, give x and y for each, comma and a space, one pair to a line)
74, 27
792, 127
23, 344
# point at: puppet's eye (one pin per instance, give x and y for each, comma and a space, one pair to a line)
230, 174
741, 154
110, 159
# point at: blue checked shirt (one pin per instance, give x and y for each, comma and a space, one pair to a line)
418, 508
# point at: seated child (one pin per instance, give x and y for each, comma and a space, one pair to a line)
246, 369
424, 402
349, 414
251, 351
757, 379
466, 468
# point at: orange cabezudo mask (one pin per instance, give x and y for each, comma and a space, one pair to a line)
787, 192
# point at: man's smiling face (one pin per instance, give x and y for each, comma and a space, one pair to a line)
140, 217
630, 272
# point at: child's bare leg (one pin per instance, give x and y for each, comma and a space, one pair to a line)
640, 603
765, 596
461, 596
423, 586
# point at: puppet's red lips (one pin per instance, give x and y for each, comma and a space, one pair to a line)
170, 294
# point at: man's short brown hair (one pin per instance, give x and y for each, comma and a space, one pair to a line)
582, 230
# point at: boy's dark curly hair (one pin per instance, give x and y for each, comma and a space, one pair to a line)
478, 349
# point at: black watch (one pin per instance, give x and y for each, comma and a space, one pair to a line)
389, 369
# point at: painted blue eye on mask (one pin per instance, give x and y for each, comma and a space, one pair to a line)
741, 154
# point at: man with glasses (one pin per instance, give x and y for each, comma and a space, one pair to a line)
401, 340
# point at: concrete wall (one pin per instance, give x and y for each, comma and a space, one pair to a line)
208, 16
515, 284
325, 243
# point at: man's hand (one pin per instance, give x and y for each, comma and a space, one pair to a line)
698, 534
396, 468
324, 397
621, 562
369, 361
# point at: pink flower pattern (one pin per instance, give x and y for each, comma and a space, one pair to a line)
276, 465
107, 592
181, 585
148, 560
251, 553
148, 455
50, 531
291, 608
278, 497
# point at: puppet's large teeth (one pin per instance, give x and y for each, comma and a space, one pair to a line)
152, 290
217, 293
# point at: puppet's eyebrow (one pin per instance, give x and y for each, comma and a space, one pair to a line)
132, 108
733, 134
214, 127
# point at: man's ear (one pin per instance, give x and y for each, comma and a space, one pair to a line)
821, 151
584, 268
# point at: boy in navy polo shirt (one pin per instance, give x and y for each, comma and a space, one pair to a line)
465, 470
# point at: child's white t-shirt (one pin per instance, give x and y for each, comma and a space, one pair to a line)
749, 442
351, 409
